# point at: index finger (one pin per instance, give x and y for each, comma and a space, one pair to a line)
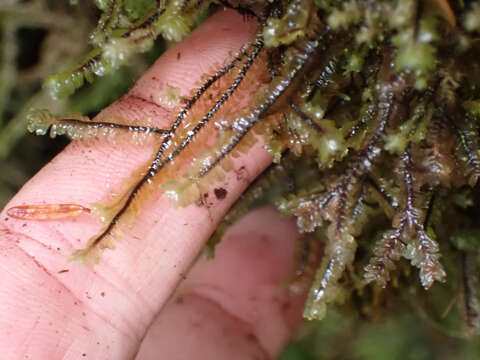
119, 297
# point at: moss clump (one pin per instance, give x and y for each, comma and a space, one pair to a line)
380, 102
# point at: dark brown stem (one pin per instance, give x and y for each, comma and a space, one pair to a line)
277, 89
158, 162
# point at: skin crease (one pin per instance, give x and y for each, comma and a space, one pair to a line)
54, 309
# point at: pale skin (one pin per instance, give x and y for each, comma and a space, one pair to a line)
130, 305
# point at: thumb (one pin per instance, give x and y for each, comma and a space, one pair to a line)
236, 306
51, 306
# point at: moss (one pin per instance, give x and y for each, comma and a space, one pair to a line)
379, 103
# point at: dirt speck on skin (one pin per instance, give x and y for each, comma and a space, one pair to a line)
63, 271
220, 193
102, 293
203, 201
241, 173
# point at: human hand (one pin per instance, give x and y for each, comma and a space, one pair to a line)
236, 306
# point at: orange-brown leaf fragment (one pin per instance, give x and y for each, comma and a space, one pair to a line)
47, 211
